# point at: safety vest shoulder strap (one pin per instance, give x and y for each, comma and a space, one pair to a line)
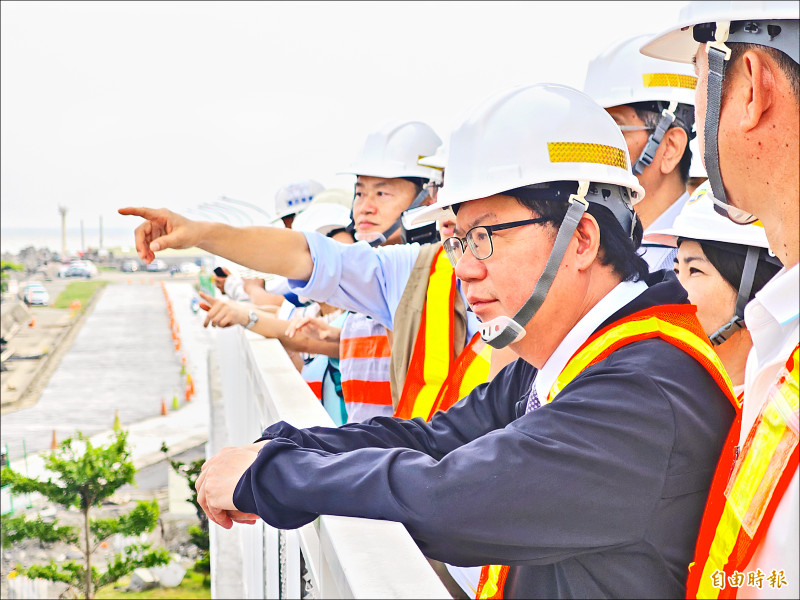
408, 316
676, 324
433, 350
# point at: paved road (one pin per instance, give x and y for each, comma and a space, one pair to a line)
122, 359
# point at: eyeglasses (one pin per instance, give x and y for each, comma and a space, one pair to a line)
626, 128
432, 188
479, 240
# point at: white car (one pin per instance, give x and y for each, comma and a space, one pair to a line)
189, 267
157, 266
35, 293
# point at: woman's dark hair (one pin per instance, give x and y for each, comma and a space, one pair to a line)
729, 259
616, 248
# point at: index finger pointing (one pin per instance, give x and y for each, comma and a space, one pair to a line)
139, 211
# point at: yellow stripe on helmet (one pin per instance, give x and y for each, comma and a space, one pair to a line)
580, 152
669, 80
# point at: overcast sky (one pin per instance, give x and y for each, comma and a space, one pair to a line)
110, 104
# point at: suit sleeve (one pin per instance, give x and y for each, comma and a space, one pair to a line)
583, 472
486, 408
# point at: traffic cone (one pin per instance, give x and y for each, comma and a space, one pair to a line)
175, 404
190, 383
117, 425
32, 322
187, 393
163, 407
54, 442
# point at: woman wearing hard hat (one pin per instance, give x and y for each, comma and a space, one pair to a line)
722, 265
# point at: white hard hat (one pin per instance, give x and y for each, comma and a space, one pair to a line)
529, 135
696, 169
538, 134
437, 161
294, 197
394, 150
678, 42
715, 24
622, 75
699, 221
322, 217
334, 196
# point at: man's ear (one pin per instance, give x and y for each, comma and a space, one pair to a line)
587, 234
672, 147
754, 87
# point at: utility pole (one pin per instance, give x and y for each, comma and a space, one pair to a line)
63, 211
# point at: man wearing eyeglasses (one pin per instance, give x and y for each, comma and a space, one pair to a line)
582, 469
653, 103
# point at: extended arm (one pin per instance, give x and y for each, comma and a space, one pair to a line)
266, 249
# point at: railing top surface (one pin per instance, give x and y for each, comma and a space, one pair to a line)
376, 559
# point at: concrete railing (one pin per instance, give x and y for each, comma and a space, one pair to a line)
254, 384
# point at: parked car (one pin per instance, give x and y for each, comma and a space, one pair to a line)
78, 271
129, 266
81, 268
190, 267
35, 293
157, 265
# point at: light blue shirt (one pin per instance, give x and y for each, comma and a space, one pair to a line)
360, 278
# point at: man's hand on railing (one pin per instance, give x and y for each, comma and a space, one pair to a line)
218, 479
314, 327
223, 313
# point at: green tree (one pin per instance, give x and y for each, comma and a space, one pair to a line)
86, 475
6, 266
198, 535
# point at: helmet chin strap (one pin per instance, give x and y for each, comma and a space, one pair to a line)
718, 55
654, 141
502, 331
745, 287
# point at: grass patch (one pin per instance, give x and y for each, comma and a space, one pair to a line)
78, 290
192, 586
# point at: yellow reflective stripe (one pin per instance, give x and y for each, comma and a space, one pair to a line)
630, 329
477, 372
742, 489
669, 80
579, 152
738, 497
748, 478
490, 587
436, 365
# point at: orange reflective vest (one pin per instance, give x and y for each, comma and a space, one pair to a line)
364, 353
435, 379
676, 324
746, 490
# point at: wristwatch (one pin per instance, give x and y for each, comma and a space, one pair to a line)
253, 316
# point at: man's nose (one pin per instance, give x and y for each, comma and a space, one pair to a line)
469, 268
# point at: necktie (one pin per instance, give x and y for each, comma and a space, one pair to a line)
533, 400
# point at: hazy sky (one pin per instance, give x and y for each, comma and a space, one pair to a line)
109, 104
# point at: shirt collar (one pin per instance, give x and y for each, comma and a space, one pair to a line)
667, 218
621, 295
779, 295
